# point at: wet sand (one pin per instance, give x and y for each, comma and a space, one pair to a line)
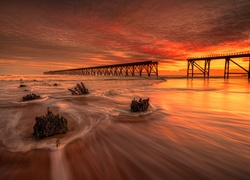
34, 164
118, 154
125, 152
134, 150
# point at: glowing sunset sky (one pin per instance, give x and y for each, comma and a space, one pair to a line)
42, 35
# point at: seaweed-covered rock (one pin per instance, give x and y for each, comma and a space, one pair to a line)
79, 89
139, 106
30, 96
50, 125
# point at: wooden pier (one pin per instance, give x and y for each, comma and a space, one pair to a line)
205, 71
128, 69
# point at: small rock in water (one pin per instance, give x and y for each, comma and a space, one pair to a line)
139, 106
79, 89
22, 85
30, 96
50, 125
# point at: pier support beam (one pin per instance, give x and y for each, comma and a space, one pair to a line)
207, 68
249, 67
226, 69
203, 71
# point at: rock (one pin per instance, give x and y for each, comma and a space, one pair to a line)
58, 142
50, 125
55, 84
139, 106
22, 85
30, 96
79, 89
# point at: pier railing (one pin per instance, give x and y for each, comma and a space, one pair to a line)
222, 56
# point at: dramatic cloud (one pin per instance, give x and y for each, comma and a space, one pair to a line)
46, 35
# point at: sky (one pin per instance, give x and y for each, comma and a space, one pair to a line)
43, 35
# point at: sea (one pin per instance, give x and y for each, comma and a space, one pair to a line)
194, 128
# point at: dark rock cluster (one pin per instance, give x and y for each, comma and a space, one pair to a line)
30, 96
50, 125
79, 89
139, 106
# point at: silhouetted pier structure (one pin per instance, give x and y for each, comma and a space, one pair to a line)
205, 71
148, 67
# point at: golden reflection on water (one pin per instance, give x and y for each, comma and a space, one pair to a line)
208, 118
208, 94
